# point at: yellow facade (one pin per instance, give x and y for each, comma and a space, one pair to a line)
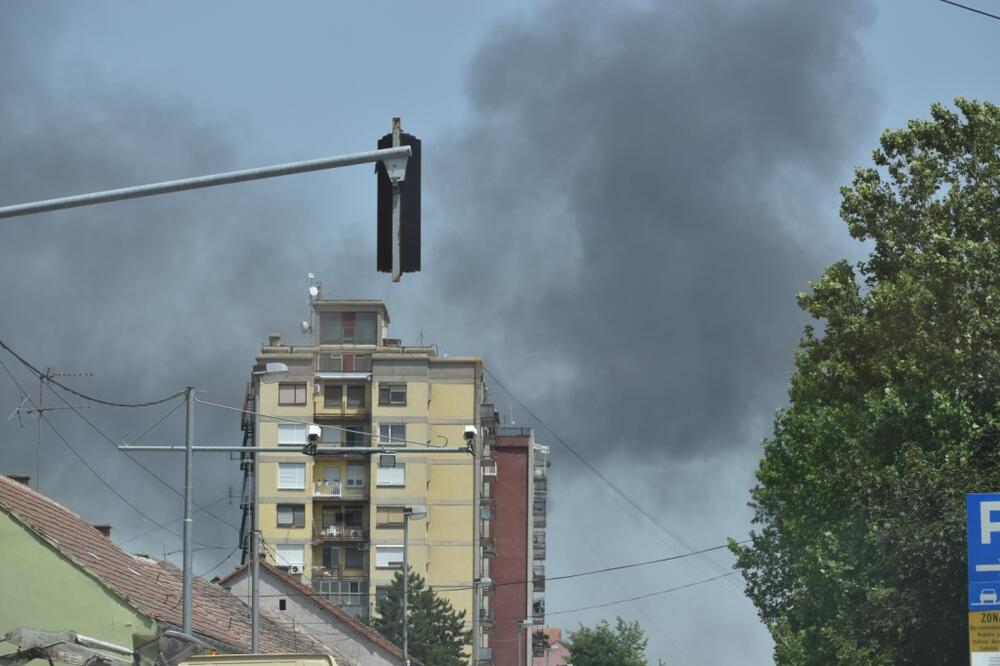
343, 513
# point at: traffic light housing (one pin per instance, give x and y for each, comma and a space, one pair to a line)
409, 214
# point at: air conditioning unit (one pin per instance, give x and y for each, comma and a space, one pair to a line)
294, 569
362, 546
356, 534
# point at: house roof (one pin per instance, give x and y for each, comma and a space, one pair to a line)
152, 587
361, 629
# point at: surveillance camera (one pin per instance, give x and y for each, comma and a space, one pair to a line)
470, 433
313, 433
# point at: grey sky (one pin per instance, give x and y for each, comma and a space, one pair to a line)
621, 200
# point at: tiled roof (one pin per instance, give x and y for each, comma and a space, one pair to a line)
339, 614
151, 587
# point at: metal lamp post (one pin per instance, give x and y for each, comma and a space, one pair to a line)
408, 512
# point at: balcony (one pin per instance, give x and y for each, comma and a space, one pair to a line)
486, 616
538, 576
539, 521
541, 487
336, 532
343, 407
490, 471
330, 489
488, 414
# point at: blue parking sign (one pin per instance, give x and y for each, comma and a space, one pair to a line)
983, 532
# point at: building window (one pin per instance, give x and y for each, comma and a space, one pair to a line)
355, 476
331, 558
354, 558
392, 434
292, 394
389, 557
291, 515
291, 476
291, 434
355, 396
281, 604
362, 363
290, 555
333, 396
392, 476
389, 516
382, 592
391, 394
355, 436
347, 328
354, 518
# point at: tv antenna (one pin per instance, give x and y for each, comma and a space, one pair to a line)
40, 410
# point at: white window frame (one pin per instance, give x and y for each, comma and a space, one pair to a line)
290, 555
392, 476
352, 480
388, 435
291, 434
389, 557
300, 473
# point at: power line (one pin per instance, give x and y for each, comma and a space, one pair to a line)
641, 596
100, 432
39, 374
970, 9
136, 462
159, 526
595, 471
85, 463
157, 529
551, 579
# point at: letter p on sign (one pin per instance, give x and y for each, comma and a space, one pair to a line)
986, 526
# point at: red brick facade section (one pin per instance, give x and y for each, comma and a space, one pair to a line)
509, 569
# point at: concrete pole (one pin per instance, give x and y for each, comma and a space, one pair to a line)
188, 469
255, 563
406, 585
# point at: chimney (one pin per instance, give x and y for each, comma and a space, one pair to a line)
20, 478
273, 339
104, 529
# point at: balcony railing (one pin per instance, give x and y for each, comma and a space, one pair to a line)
490, 471
340, 533
485, 655
328, 489
539, 520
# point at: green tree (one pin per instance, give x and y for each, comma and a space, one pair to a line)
894, 412
436, 631
624, 645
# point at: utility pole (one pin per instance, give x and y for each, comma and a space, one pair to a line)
188, 469
40, 410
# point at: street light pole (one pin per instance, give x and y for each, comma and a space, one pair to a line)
408, 512
406, 586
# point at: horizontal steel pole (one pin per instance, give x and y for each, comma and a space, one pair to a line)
203, 181
329, 451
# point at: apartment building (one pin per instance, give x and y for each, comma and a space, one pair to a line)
514, 519
335, 521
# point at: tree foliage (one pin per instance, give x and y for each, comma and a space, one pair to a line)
624, 645
894, 412
436, 632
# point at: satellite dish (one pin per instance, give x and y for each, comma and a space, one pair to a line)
313, 291
305, 327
